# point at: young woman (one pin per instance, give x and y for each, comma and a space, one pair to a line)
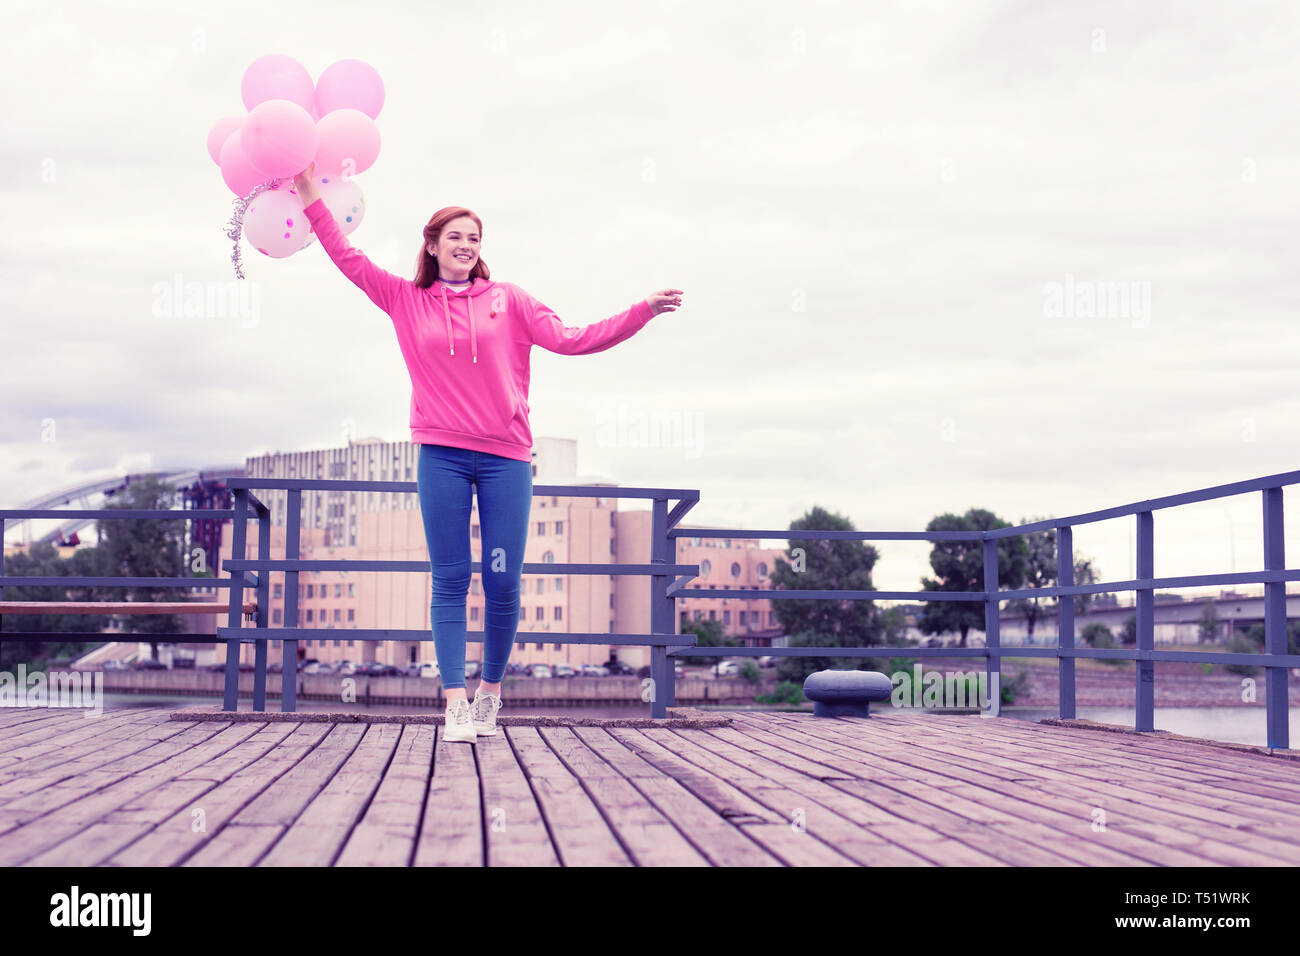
466, 342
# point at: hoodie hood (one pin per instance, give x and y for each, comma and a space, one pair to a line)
476, 289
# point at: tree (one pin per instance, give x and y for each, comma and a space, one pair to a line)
42, 560
893, 624
1084, 573
1128, 633
815, 565
707, 634
1208, 631
959, 566
1098, 635
144, 548
1040, 572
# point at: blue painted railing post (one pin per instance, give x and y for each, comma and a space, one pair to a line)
1275, 627
992, 627
662, 668
235, 618
1144, 716
1065, 620
263, 600
289, 649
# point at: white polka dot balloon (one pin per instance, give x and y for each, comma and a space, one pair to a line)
275, 224
344, 200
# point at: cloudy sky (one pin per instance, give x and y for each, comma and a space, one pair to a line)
1034, 257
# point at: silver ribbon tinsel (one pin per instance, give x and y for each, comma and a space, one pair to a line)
235, 227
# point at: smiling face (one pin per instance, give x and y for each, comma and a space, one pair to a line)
457, 249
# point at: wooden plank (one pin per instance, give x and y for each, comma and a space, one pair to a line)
238, 844
251, 767
712, 835
286, 798
579, 834
516, 830
71, 781
793, 798
650, 838
321, 830
1074, 826
1227, 799
387, 833
36, 741
451, 831
92, 843
1185, 803
1125, 812
13, 717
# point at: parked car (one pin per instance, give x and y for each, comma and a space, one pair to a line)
411, 670
620, 669
727, 668
149, 664
314, 667
678, 670
473, 668
767, 660
564, 670
594, 670
346, 667
428, 669
540, 670
183, 663
274, 667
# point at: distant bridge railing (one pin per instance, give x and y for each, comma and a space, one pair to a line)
668, 580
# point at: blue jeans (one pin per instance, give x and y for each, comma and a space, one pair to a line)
505, 497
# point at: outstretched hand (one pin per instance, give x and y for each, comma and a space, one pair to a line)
306, 188
665, 300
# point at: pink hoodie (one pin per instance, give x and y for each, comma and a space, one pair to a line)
475, 398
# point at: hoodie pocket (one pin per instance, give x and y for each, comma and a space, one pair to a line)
456, 409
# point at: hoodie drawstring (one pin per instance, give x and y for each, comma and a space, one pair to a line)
473, 330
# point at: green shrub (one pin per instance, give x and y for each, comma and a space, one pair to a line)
1241, 644
786, 692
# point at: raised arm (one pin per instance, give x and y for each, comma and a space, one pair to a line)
546, 329
382, 286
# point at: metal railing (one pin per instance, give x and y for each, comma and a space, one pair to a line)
668, 580
659, 569
1275, 660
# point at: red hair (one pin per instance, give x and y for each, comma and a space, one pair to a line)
426, 266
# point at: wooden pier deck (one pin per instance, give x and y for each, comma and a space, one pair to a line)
135, 787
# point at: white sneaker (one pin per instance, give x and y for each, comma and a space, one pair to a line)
484, 713
458, 725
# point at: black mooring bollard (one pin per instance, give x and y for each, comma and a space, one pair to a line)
846, 693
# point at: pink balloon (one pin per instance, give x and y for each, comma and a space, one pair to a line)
274, 222
240, 175
279, 138
350, 84
218, 134
277, 77
349, 143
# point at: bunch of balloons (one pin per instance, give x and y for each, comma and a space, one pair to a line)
292, 123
